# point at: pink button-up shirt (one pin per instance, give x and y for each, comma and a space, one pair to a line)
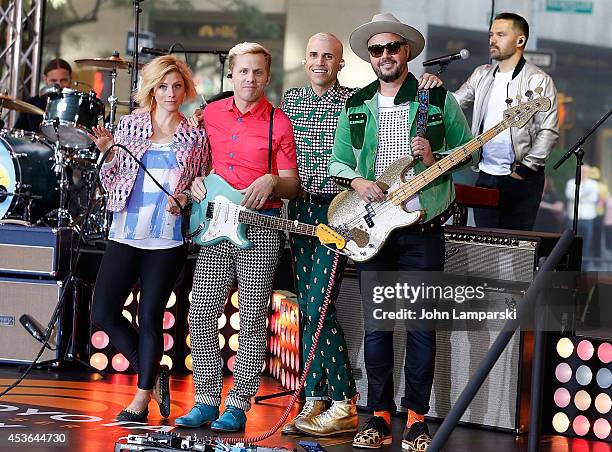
239, 142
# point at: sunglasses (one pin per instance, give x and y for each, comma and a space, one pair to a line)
377, 50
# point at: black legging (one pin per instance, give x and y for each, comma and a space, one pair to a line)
157, 270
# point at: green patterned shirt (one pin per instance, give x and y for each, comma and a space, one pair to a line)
314, 122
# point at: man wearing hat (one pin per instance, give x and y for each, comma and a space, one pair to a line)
378, 126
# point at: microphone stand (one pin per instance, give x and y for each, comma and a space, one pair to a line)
577, 150
134, 81
222, 54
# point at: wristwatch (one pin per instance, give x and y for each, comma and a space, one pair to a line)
189, 202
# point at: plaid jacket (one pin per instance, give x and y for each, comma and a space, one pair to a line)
134, 132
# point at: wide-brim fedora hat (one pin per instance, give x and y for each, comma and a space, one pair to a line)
385, 23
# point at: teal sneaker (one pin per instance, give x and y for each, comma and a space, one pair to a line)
232, 420
199, 415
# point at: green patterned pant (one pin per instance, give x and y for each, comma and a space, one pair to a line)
330, 371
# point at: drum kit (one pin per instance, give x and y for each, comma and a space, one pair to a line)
48, 179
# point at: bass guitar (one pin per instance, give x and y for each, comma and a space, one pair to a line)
365, 226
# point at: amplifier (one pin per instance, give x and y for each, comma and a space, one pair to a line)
502, 402
37, 299
35, 251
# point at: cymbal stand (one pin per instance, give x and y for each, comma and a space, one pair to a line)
112, 99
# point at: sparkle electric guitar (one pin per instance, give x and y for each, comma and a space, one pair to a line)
366, 226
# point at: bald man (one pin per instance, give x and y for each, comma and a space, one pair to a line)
314, 110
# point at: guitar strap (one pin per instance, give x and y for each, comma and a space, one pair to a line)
423, 98
270, 140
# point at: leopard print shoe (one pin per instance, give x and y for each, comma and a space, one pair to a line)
374, 434
416, 438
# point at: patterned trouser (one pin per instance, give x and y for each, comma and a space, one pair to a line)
216, 269
330, 371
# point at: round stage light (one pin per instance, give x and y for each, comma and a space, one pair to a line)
235, 321
231, 362
283, 377
188, 340
127, 314
171, 300
603, 403
263, 366
560, 422
189, 296
604, 352
234, 299
129, 299
585, 350
582, 400
221, 341
565, 347
99, 361
604, 378
120, 363
167, 361
99, 339
222, 321
601, 428
563, 372
233, 342
581, 425
584, 375
189, 362
168, 320
562, 397
168, 342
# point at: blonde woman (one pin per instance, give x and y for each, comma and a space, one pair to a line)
145, 243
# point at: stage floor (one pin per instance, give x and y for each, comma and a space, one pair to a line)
83, 406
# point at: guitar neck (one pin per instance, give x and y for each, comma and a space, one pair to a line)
411, 187
270, 222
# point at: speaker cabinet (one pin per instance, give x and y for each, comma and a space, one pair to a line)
37, 299
35, 251
500, 256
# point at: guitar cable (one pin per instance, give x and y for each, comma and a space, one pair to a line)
68, 280
311, 353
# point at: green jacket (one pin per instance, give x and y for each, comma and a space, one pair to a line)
356, 140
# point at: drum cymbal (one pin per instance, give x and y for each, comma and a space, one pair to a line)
7, 101
112, 62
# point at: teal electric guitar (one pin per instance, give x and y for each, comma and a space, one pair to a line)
219, 216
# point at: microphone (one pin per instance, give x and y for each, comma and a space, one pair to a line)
33, 329
154, 51
463, 54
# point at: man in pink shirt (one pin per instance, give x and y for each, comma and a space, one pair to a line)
238, 132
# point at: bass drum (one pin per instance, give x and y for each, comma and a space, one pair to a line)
26, 168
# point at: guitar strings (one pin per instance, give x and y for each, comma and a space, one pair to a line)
388, 205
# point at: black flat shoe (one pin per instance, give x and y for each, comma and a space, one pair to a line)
133, 416
164, 391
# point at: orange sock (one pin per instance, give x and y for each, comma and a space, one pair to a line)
386, 415
413, 417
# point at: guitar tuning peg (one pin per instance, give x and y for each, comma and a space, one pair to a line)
539, 90
509, 102
529, 93
519, 97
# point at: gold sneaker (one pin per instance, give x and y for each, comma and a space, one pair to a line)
311, 409
340, 418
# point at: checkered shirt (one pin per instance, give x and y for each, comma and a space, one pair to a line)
314, 122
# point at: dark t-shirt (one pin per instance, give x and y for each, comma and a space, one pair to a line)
31, 122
